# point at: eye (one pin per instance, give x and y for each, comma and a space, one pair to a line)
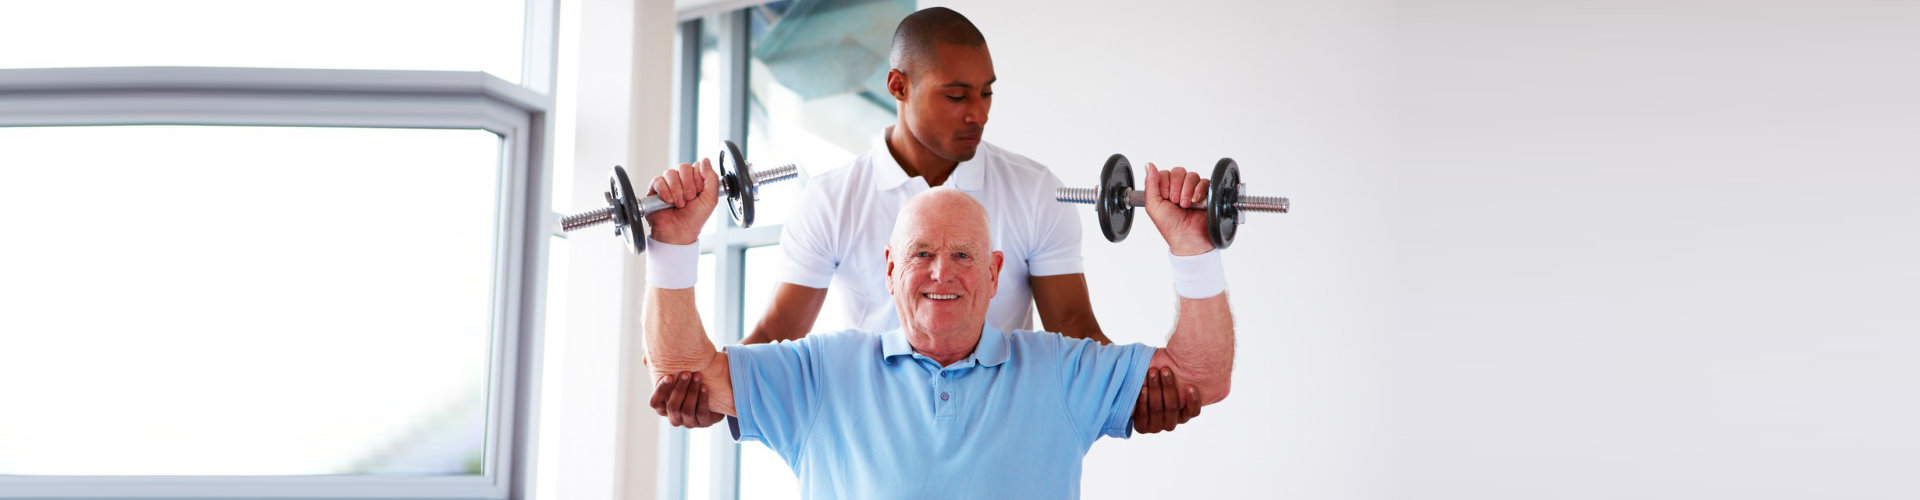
962, 255
986, 95
922, 254
956, 98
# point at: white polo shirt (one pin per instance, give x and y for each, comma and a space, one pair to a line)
839, 232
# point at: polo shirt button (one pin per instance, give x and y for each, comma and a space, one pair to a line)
943, 396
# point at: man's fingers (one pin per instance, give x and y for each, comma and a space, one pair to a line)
1189, 187
670, 193
1176, 189
705, 415
709, 180
692, 400
1189, 404
1154, 407
1169, 394
679, 397
1200, 194
1152, 186
660, 390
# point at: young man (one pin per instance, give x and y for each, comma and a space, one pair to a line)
942, 82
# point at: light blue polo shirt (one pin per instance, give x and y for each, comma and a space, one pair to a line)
859, 415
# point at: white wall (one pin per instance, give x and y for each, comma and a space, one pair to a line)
1569, 249
1656, 249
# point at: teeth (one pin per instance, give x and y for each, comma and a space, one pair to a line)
936, 296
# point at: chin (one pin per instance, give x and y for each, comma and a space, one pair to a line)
962, 154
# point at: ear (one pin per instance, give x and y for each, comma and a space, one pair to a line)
897, 84
998, 259
888, 255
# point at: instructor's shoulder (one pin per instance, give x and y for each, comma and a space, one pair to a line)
1018, 164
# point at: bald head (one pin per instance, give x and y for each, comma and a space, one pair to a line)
943, 211
915, 38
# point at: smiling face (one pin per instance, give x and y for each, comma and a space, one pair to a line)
944, 104
943, 272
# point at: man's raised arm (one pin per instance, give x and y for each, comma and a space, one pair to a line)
1200, 352
670, 323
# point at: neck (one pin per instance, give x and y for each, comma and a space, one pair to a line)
944, 349
915, 158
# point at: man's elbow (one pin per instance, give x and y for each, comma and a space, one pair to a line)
1215, 390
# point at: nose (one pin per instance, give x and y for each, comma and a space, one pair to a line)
940, 270
976, 113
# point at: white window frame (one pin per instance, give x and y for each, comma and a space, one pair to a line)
728, 242
519, 113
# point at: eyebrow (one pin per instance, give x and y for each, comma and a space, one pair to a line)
963, 247
957, 83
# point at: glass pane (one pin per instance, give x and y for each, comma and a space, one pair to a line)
246, 300
764, 476
762, 279
712, 93
818, 99
470, 35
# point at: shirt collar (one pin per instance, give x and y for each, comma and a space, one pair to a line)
969, 175
991, 351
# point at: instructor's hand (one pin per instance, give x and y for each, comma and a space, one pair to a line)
1169, 194
682, 399
693, 194
1163, 404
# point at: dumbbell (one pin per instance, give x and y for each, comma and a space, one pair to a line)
1114, 199
739, 186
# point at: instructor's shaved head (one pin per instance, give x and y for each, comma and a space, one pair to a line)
914, 40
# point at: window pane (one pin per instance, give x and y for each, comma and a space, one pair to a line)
471, 35
711, 95
246, 300
802, 114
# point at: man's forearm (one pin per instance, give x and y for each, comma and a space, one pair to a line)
676, 341
1201, 348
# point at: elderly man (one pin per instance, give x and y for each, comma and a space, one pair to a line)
945, 406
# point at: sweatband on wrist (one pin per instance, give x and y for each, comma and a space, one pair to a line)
672, 267
1199, 276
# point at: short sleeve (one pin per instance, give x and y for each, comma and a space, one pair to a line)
1102, 382
775, 393
1056, 234
807, 239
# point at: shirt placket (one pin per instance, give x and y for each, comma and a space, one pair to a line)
945, 399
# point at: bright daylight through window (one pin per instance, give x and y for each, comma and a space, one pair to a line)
246, 301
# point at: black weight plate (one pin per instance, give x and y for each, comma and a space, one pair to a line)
736, 184
627, 223
1222, 215
1110, 206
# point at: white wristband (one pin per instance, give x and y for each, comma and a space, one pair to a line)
672, 267
1199, 276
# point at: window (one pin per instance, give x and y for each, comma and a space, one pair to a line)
769, 77
200, 301
280, 281
455, 35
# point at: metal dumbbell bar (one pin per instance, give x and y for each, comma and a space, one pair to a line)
1226, 202
739, 186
